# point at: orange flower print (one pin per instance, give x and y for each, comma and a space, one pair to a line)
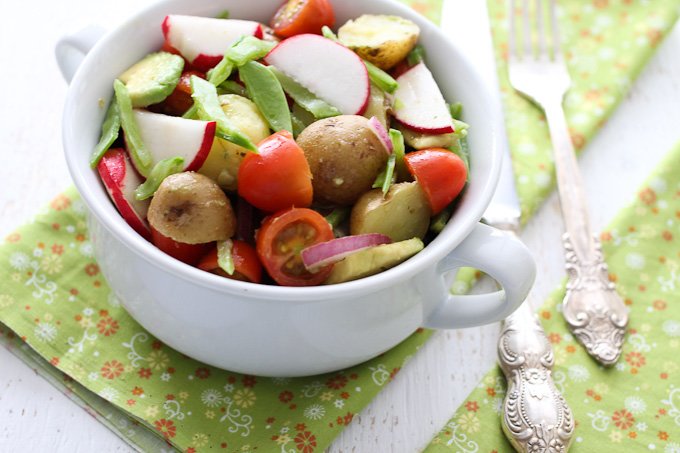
145, 373
635, 359
286, 396
472, 406
490, 391
202, 373
60, 203
600, 4
305, 442
58, 249
647, 196
137, 391
107, 326
166, 427
554, 338
663, 435
14, 237
659, 304
337, 382
623, 419
667, 235
91, 269
111, 369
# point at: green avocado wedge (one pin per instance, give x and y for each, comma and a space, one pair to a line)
153, 78
374, 260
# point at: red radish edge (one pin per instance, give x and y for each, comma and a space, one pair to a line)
165, 27
441, 130
113, 188
320, 255
206, 146
205, 63
382, 134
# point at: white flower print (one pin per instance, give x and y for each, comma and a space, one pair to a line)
93, 376
672, 447
635, 261
280, 381
6, 300
165, 377
229, 388
339, 404
620, 366
45, 332
109, 393
671, 328
88, 311
37, 253
78, 206
19, 261
70, 229
86, 249
211, 397
635, 405
315, 412
641, 426
578, 373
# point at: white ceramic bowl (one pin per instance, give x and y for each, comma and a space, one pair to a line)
277, 331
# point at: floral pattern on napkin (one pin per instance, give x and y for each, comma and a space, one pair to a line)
634, 406
56, 300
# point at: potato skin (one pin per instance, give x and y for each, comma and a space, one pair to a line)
382, 40
344, 155
191, 208
402, 214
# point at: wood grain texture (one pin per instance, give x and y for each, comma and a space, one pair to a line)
403, 418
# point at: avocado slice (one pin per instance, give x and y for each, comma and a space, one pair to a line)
153, 79
374, 260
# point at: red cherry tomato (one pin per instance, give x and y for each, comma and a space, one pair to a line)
187, 253
278, 177
246, 263
180, 99
296, 17
281, 239
440, 173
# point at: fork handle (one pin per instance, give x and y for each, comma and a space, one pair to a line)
595, 313
570, 183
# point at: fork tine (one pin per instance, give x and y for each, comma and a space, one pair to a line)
542, 45
556, 43
512, 48
527, 51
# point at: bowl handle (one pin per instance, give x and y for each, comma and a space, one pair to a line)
71, 49
500, 255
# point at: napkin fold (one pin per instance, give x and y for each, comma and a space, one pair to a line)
58, 315
634, 406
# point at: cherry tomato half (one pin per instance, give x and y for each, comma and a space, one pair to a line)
278, 177
440, 173
186, 253
281, 239
180, 99
296, 17
246, 263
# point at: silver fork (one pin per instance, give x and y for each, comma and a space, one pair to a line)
593, 310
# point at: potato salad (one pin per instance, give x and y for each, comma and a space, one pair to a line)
292, 153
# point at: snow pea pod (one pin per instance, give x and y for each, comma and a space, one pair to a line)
209, 109
138, 153
110, 130
265, 90
305, 98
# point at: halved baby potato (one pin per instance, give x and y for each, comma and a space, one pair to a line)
383, 40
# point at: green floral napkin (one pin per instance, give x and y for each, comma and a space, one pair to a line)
58, 315
634, 406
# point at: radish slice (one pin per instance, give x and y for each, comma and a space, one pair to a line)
320, 255
382, 133
170, 136
420, 105
328, 69
204, 40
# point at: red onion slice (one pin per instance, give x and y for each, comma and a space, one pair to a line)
320, 255
382, 133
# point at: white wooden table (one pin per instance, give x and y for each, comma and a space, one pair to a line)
36, 417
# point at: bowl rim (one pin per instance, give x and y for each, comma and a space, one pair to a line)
431, 255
